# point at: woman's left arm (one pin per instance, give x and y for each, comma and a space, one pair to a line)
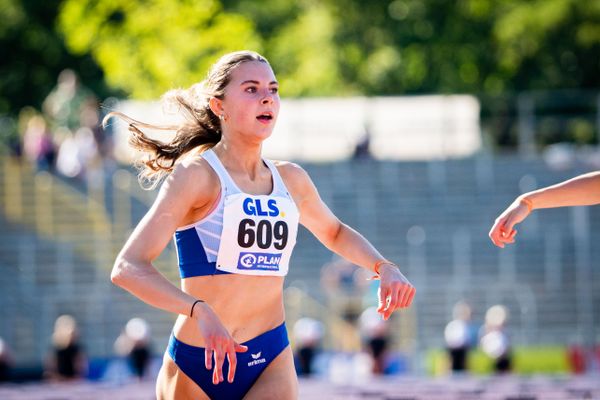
395, 291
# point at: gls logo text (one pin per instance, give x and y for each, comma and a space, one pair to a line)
255, 207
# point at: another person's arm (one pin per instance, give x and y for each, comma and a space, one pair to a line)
583, 190
188, 188
395, 291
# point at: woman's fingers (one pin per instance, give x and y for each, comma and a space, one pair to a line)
240, 348
502, 233
383, 294
218, 371
219, 353
232, 358
507, 235
496, 233
406, 296
411, 296
510, 238
398, 297
509, 224
391, 302
208, 354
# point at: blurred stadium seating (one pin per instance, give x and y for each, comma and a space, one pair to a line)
60, 238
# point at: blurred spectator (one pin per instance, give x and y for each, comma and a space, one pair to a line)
100, 155
460, 336
576, 356
134, 344
10, 137
77, 153
344, 284
308, 334
89, 118
63, 104
67, 360
362, 149
494, 339
6, 361
375, 334
38, 145
73, 110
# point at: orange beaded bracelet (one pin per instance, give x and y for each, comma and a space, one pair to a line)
528, 203
380, 263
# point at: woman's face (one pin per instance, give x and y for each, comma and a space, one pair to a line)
251, 102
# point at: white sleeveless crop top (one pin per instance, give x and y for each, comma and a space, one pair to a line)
244, 234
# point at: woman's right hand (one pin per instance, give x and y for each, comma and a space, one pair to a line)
503, 231
217, 341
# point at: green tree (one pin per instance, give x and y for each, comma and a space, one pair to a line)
299, 40
148, 47
472, 46
549, 44
32, 55
317, 47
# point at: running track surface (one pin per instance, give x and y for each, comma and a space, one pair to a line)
395, 388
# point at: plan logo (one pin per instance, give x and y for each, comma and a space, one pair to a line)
259, 261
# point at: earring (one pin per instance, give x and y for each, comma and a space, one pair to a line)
222, 117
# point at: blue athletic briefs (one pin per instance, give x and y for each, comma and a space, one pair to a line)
261, 351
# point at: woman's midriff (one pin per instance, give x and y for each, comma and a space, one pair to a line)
246, 305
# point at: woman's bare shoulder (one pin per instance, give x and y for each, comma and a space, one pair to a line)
292, 173
296, 179
193, 177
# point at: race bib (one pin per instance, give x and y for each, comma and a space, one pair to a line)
259, 234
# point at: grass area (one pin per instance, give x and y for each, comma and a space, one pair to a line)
526, 361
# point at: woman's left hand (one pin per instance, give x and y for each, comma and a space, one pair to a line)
395, 291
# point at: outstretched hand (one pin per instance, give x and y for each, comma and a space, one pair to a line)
503, 231
395, 291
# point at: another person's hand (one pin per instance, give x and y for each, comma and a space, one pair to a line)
217, 342
395, 291
503, 231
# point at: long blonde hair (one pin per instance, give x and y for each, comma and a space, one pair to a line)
200, 128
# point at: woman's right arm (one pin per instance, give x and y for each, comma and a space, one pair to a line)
189, 187
133, 269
